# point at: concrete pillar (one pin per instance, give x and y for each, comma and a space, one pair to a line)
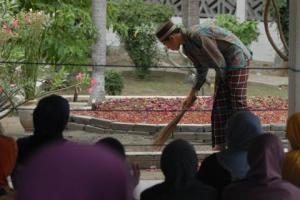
294, 57
190, 12
241, 9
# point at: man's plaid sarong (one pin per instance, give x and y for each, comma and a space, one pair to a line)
229, 97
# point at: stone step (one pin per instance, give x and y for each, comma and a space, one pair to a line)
151, 159
91, 124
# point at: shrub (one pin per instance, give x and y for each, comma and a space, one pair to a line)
135, 22
247, 31
113, 82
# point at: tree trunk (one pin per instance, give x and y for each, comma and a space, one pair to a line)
190, 12
99, 52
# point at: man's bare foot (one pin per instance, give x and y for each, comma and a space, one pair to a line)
218, 148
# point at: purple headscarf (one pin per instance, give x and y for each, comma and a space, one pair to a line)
263, 180
72, 171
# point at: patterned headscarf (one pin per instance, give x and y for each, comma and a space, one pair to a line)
8, 156
291, 164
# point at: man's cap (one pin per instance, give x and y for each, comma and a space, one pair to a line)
165, 30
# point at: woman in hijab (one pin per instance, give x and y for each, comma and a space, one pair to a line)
8, 156
69, 171
263, 180
49, 118
220, 169
179, 165
117, 147
113, 144
291, 164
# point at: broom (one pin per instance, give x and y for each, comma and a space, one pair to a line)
162, 136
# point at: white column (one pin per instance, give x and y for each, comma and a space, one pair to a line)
241, 9
294, 57
99, 51
190, 12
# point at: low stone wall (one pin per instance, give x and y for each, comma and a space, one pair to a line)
188, 131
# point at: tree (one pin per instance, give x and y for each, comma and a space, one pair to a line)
99, 51
135, 22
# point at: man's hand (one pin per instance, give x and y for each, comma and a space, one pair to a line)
136, 173
189, 100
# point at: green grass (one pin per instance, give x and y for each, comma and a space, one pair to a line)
162, 83
159, 83
173, 84
258, 89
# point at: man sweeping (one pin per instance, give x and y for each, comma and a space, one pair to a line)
210, 46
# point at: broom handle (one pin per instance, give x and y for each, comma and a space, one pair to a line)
162, 135
180, 115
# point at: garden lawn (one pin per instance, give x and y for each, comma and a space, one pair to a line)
162, 83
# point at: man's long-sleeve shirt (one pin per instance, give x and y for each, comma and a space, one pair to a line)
209, 46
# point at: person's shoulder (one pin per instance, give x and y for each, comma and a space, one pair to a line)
238, 185
200, 185
194, 28
202, 189
208, 164
194, 31
212, 158
230, 189
152, 192
292, 188
24, 140
154, 188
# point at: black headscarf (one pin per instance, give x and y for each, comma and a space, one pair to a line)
113, 144
179, 165
263, 180
50, 117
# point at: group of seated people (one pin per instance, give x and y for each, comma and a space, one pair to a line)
46, 166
